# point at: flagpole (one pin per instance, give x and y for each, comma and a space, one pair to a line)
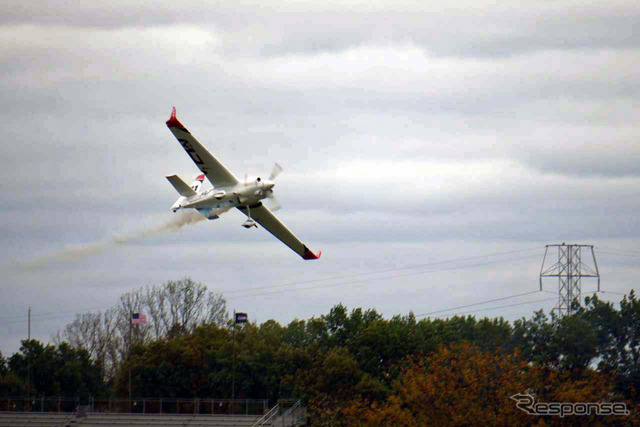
233, 369
130, 328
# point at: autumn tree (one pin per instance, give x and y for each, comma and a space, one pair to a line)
332, 381
461, 385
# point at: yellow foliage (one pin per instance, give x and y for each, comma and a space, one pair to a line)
459, 385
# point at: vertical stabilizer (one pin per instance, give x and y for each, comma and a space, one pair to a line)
197, 184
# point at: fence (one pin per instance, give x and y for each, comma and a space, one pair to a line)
287, 413
293, 416
136, 406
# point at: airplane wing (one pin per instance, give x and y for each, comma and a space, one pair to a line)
215, 172
263, 216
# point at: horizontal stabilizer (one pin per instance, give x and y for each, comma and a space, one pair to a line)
181, 187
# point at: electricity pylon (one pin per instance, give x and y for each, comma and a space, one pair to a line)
570, 269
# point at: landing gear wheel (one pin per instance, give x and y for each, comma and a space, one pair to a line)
249, 222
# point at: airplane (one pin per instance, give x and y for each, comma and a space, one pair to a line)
228, 192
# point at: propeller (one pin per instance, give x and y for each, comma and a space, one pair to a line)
277, 170
274, 203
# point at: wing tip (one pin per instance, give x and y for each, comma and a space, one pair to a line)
308, 255
173, 121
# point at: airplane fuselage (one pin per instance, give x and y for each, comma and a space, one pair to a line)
223, 198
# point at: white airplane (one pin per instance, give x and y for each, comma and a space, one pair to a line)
228, 192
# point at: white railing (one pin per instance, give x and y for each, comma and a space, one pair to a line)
267, 417
291, 412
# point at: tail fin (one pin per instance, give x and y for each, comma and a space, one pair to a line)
197, 184
181, 187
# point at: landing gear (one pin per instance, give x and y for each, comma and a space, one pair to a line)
249, 222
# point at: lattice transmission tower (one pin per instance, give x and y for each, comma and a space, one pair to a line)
570, 269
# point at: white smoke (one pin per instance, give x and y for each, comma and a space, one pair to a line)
182, 219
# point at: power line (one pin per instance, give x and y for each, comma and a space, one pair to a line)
618, 250
615, 293
595, 292
250, 294
42, 316
430, 264
477, 303
634, 255
498, 307
55, 315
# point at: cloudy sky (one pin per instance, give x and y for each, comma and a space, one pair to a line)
430, 152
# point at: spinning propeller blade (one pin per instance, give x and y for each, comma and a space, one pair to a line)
274, 203
277, 170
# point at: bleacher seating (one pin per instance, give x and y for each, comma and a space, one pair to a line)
113, 420
18, 419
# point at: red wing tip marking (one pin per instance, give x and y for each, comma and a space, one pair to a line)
310, 255
200, 178
173, 121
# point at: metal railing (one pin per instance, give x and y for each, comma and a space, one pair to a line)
291, 417
193, 406
286, 413
267, 417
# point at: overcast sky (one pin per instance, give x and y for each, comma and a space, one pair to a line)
430, 137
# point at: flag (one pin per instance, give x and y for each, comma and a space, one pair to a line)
241, 318
137, 318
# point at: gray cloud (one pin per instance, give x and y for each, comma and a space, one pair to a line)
407, 133
466, 29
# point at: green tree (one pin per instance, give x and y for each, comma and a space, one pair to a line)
629, 349
535, 338
575, 341
3, 366
295, 334
10, 385
57, 371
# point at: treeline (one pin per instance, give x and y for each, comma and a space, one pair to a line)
172, 309
96, 344
48, 370
358, 368
344, 363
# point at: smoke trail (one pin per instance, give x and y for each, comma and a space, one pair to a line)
182, 219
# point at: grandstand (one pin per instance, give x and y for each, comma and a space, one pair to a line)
123, 420
285, 414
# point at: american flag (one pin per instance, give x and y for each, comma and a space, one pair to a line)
137, 318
